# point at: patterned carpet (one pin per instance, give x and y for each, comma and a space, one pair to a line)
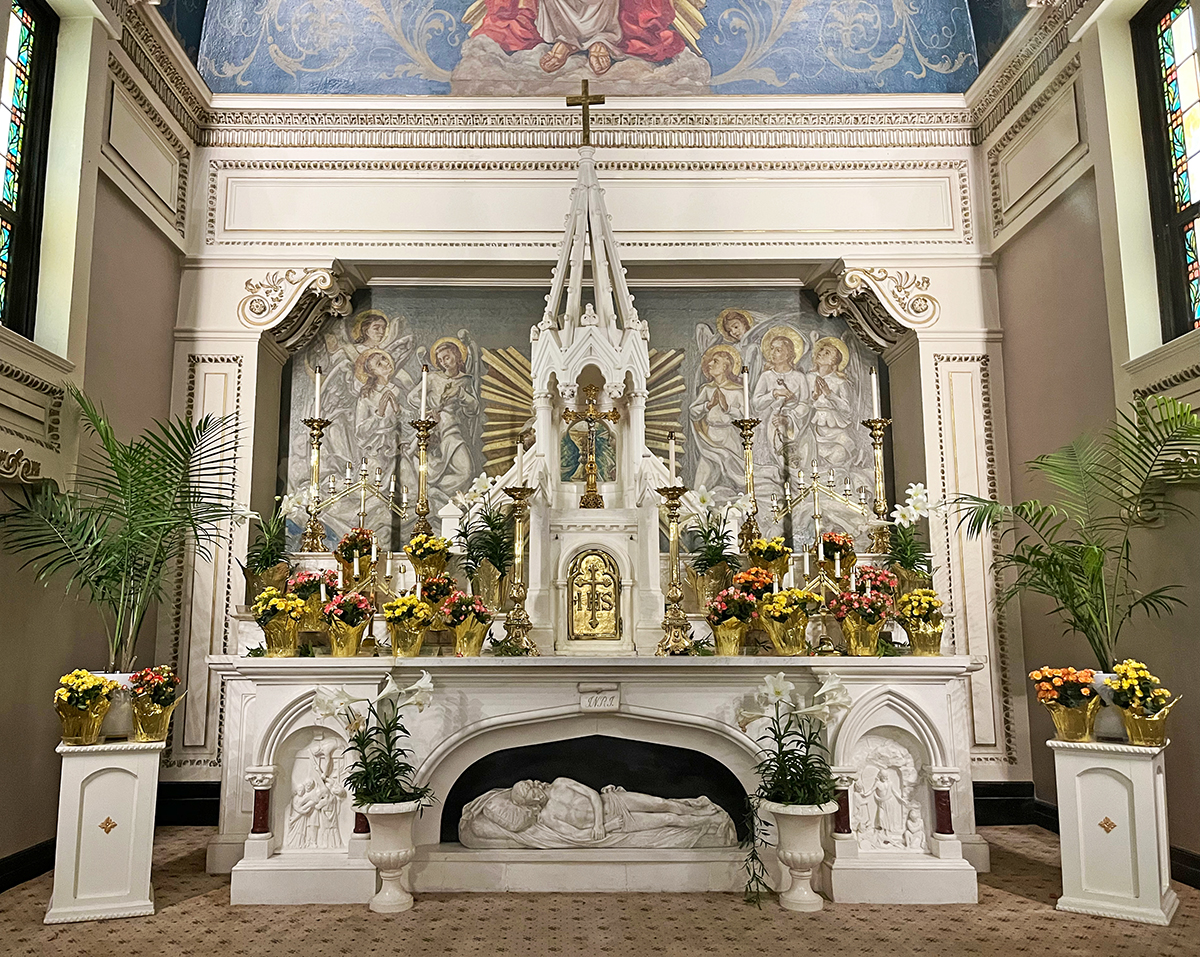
1015, 916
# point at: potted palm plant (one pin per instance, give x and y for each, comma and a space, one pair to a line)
488, 537
711, 543
135, 511
267, 559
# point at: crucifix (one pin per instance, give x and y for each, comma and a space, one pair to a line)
586, 102
591, 497
593, 596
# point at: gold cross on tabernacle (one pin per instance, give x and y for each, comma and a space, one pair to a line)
585, 101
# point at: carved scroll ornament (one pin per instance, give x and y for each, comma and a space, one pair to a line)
18, 467
279, 294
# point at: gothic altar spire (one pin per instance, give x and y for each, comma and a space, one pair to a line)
589, 237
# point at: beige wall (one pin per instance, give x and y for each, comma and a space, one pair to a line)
132, 305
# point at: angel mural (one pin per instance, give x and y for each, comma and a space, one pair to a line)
834, 406
717, 441
782, 399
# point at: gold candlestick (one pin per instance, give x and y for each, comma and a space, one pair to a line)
881, 534
313, 539
423, 426
749, 531
677, 633
517, 623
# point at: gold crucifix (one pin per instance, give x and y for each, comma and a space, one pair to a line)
591, 415
585, 101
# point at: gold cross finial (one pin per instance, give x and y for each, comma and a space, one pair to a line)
585, 101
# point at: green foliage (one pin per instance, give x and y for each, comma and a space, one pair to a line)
381, 773
907, 551
489, 533
1076, 549
269, 547
136, 509
711, 543
794, 769
258, 651
758, 885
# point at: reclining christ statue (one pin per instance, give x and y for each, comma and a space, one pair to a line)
566, 813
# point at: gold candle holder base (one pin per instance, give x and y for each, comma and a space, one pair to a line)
677, 633
423, 427
749, 530
517, 623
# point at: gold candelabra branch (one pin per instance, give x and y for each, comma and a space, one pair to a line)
424, 427
749, 530
677, 633
517, 624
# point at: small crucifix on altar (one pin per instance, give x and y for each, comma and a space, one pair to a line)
586, 102
591, 497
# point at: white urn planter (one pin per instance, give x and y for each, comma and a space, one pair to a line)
800, 828
391, 849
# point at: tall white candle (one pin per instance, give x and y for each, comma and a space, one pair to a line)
745, 393
323, 598
520, 462
388, 571
837, 565
672, 456
374, 551
424, 389
392, 486
806, 564
356, 566
820, 548
349, 472
874, 394
852, 579
317, 403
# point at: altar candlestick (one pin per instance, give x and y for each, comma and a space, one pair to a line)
814, 471
672, 438
874, 395
349, 472
745, 392
332, 485
837, 565
424, 388
520, 462
317, 402
832, 481
388, 570
378, 475
846, 489
392, 487
820, 548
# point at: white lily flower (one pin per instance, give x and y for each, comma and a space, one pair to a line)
833, 693
482, 484
390, 690
291, 503
776, 688
421, 691
328, 702
905, 515
241, 514
705, 497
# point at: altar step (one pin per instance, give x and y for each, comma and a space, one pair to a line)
450, 867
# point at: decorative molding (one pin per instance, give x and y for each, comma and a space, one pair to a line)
958, 167
1168, 382
905, 293
17, 467
1009, 750
182, 154
159, 69
1062, 79
1019, 75
295, 303
55, 394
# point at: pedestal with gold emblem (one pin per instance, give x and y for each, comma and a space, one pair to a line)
594, 596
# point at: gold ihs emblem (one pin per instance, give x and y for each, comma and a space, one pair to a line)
593, 596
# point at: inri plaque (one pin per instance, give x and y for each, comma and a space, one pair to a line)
594, 597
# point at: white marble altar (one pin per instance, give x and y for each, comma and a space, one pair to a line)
903, 738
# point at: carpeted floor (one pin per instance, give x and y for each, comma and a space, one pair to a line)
1015, 916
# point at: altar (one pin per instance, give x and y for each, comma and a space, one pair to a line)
906, 715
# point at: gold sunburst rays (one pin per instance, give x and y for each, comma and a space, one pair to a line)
508, 406
664, 404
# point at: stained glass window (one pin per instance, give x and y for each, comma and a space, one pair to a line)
25, 83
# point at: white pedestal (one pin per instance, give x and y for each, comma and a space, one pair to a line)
1112, 812
105, 832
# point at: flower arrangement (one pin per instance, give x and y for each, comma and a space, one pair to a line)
437, 588
768, 550
81, 689
158, 684
357, 541
350, 608
711, 541
1064, 686
872, 608
1136, 689
460, 606
906, 550
757, 581
837, 543
732, 603
271, 602
783, 604
920, 604
427, 546
872, 578
408, 610
307, 584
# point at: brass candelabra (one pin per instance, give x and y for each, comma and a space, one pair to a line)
677, 633
881, 533
749, 530
517, 624
313, 539
424, 427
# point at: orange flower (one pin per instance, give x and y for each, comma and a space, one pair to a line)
1085, 690
1057, 681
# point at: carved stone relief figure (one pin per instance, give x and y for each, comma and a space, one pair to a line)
885, 807
317, 796
565, 813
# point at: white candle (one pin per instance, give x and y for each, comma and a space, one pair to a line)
404, 496
520, 462
388, 571
868, 588
806, 564
349, 472
424, 388
392, 486
374, 552
745, 393
874, 394
672, 457
317, 403
852, 579
418, 586
324, 600
837, 565
356, 566
820, 548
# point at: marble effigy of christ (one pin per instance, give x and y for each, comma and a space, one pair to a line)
603, 29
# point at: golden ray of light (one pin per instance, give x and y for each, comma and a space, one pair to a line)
507, 391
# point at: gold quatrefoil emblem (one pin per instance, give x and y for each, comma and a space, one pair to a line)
107, 825
1108, 824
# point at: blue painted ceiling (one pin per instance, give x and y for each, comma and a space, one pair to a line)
732, 46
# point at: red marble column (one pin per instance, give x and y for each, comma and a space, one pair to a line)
361, 825
262, 811
941, 805
841, 817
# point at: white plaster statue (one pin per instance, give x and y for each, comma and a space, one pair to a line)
312, 815
885, 812
565, 813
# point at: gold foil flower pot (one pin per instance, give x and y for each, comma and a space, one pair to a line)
312, 619
81, 726
469, 636
151, 721
707, 585
430, 566
729, 635
1146, 730
282, 636
862, 637
1074, 724
406, 639
344, 639
787, 637
924, 637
